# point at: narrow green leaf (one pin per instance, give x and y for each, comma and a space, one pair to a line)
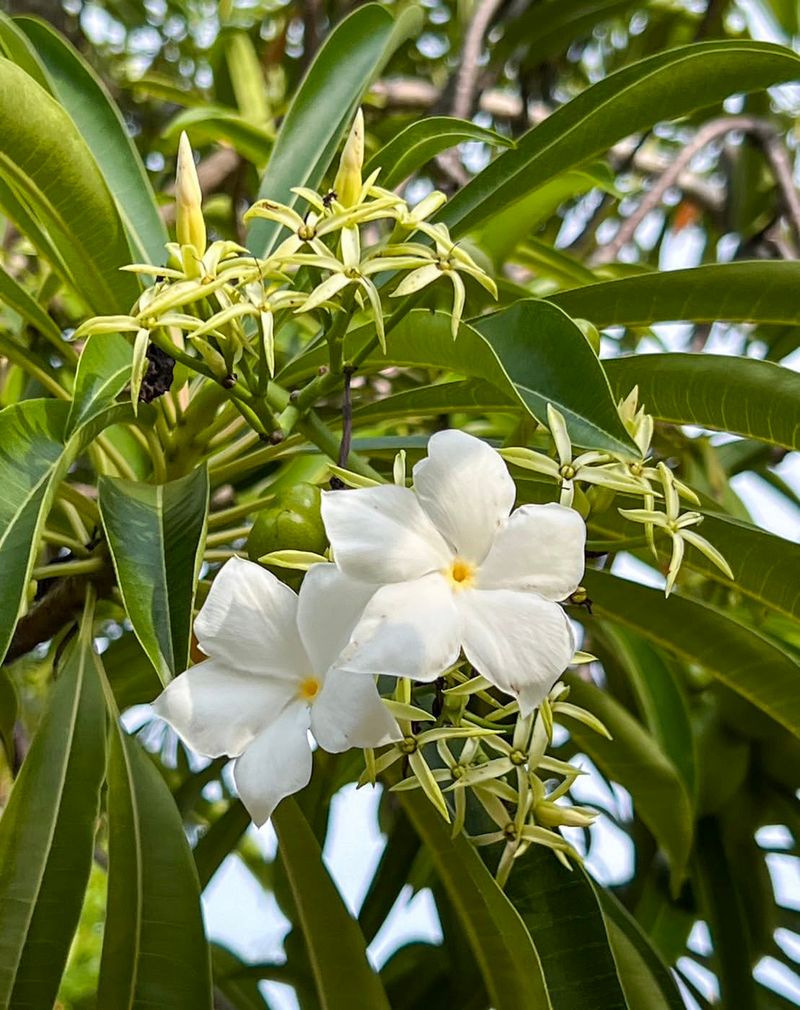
219, 841
634, 759
336, 947
750, 664
468, 396
16, 297
661, 699
761, 291
211, 123
8, 715
233, 978
85, 97
47, 162
47, 833
155, 534
549, 29
104, 369
420, 142
324, 105
764, 566
646, 981
561, 913
662, 87
155, 952
390, 876
550, 361
130, 673
16, 46
500, 943
34, 457
745, 396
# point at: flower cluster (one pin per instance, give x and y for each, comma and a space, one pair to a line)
629, 476
441, 586
227, 304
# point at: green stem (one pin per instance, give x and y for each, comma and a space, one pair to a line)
81, 566
227, 536
236, 512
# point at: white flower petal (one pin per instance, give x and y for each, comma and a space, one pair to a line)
380, 534
276, 764
466, 489
539, 549
249, 622
518, 641
329, 608
217, 710
410, 629
349, 713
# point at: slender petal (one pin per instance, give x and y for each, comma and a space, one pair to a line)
519, 641
459, 297
538, 549
466, 489
276, 764
409, 629
216, 710
417, 280
328, 610
381, 534
322, 292
250, 617
558, 429
349, 713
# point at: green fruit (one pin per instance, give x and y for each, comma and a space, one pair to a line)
293, 522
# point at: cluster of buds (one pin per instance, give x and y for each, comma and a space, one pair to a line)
627, 476
490, 769
227, 304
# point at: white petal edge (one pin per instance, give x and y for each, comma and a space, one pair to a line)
520, 642
276, 764
349, 713
539, 549
249, 621
380, 534
410, 629
329, 607
466, 489
217, 710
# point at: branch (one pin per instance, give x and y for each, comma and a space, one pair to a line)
763, 131
470, 57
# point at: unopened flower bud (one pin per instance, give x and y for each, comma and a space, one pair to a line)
552, 815
189, 222
347, 184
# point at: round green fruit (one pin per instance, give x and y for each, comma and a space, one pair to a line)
292, 523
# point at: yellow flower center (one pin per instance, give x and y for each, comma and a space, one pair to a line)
461, 574
309, 689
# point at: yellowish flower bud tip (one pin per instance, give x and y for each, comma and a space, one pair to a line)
189, 222
347, 183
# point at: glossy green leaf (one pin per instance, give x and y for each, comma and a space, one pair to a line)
764, 566
750, 664
156, 534
389, 878
17, 298
745, 396
65, 190
214, 123
561, 913
8, 716
47, 833
16, 46
635, 760
761, 291
500, 943
34, 456
130, 673
550, 28
468, 396
155, 952
324, 105
421, 141
665, 86
82, 93
646, 981
531, 353
661, 699
219, 841
335, 944
550, 361
104, 369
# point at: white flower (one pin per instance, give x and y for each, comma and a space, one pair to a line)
453, 567
268, 680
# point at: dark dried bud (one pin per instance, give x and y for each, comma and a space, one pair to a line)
158, 377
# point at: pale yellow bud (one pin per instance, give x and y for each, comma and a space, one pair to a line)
347, 184
189, 222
